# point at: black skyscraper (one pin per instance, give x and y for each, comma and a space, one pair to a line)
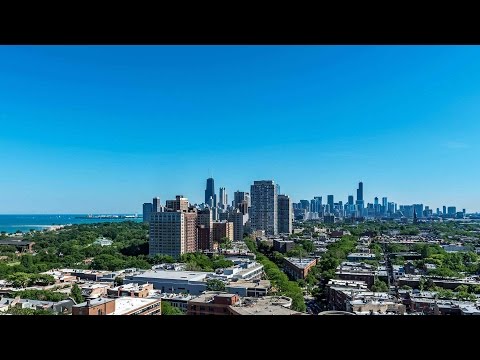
330, 202
210, 192
360, 191
350, 199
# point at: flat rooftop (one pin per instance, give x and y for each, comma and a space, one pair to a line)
300, 263
94, 302
209, 296
361, 255
268, 305
249, 284
126, 304
172, 275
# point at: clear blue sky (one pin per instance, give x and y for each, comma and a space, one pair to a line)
102, 129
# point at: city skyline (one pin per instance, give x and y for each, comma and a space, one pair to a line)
104, 129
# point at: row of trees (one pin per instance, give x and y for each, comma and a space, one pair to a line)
43, 295
279, 279
21, 279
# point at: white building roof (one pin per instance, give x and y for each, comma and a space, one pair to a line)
126, 304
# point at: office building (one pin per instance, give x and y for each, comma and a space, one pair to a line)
263, 213
418, 210
350, 200
305, 204
444, 210
210, 192
360, 191
360, 203
285, 215
330, 203
391, 208
147, 211
222, 203
156, 205
318, 204
180, 203
385, 205
238, 198
452, 210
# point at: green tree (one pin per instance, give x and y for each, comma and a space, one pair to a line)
379, 286
76, 294
19, 279
168, 309
118, 281
226, 243
162, 259
215, 285
42, 295
19, 311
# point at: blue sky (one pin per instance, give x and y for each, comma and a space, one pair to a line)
102, 129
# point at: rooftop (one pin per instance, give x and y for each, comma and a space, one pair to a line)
361, 255
173, 275
94, 302
208, 296
300, 262
126, 304
267, 305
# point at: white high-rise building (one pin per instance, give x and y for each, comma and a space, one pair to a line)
223, 198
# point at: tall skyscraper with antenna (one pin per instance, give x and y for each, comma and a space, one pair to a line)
210, 192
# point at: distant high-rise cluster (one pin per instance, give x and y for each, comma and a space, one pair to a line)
180, 227
356, 209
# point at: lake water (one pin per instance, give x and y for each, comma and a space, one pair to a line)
12, 223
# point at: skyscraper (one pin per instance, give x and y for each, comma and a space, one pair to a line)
147, 212
238, 197
157, 206
360, 191
350, 200
210, 191
263, 212
418, 210
222, 203
330, 203
452, 210
318, 204
444, 210
305, 204
285, 214
359, 202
